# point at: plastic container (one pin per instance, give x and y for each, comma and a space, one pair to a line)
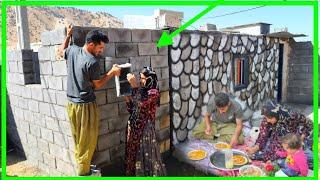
228, 158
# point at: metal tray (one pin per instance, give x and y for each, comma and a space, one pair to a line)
217, 159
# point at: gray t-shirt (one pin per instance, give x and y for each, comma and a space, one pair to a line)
83, 68
234, 112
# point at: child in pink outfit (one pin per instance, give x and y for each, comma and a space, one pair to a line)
295, 163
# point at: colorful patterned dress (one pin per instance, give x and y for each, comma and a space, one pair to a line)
269, 140
143, 156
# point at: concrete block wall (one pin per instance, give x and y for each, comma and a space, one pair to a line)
300, 68
37, 117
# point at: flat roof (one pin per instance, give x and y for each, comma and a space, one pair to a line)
246, 25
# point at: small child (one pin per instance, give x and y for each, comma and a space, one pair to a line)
295, 163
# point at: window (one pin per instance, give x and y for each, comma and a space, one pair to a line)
240, 72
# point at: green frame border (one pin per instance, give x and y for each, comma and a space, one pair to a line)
314, 4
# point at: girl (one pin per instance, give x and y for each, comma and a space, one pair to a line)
143, 156
295, 163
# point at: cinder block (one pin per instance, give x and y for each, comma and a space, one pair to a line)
59, 68
52, 124
60, 140
109, 111
119, 35
45, 67
55, 83
26, 92
164, 98
13, 66
59, 112
108, 141
35, 154
32, 140
101, 157
49, 96
39, 120
123, 108
101, 97
43, 145
158, 73
103, 127
163, 51
139, 62
10, 56
111, 96
109, 50
118, 124
45, 38
23, 103
126, 50
71, 143
165, 122
163, 134
44, 82
159, 61
162, 111
156, 34
49, 160
165, 73
65, 128
64, 83
33, 105
61, 97
28, 116
44, 53
59, 36
65, 168
36, 92
164, 85
35, 130
59, 152
147, 49
117, 152
45, 108
141, 35
47, 135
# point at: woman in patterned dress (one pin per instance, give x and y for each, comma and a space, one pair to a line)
142, 152
279, 121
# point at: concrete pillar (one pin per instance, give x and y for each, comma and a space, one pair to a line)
22, 28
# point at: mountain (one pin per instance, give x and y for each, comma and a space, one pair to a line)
48, 18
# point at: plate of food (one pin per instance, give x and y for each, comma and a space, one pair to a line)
197, 155
239, 160
251, 171
221, 146
217, 159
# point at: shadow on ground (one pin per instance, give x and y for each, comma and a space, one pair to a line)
174, 168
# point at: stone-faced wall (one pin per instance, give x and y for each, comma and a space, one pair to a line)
37, 119
202, 65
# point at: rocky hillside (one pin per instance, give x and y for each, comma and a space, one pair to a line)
47, 18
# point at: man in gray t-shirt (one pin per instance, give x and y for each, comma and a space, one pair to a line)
83, 78
222, 122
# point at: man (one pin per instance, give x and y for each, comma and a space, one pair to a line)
83, 78
227, 121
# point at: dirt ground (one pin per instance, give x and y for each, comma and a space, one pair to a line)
18, 166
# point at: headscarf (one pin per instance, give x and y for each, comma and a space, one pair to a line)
151, 82
151, 78
280, 112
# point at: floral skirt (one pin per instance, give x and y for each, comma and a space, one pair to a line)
144, 158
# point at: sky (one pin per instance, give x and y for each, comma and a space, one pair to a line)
297, 19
